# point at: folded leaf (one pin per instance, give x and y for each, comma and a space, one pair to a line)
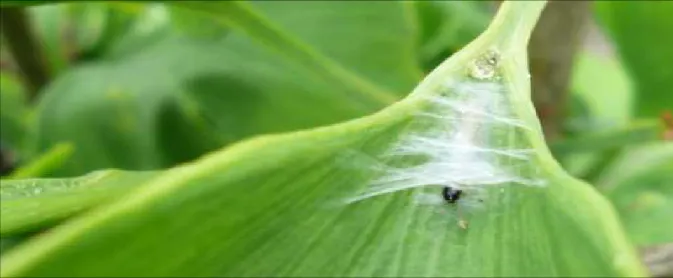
352, 199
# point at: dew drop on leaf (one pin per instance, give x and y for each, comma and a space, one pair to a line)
485, 67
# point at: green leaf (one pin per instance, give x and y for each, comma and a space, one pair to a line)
6, 243
31, 204
641, 36
98, 27
604, 84
447, 26
276, 70
638, 132
24, 3
275, 205
45, 163
601, 117
50, 23
151, 24
13, 112
194, 25
316, 42
587, 154
77, 32
640, 184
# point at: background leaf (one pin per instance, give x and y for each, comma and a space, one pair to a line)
446, 26
30, 204
13, 112
233, 86
639, 32
640, 183
606, 87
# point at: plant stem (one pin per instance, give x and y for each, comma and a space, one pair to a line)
518, 18
659, 259
6, 162
551, 53
24, 47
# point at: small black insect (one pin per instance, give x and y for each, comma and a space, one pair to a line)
451, 195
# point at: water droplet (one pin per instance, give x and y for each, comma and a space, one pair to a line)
485, 67
482, 71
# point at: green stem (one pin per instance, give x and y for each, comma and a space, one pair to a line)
513, 24
508, 32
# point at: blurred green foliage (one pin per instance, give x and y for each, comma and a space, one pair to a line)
640, 32
148, 86
150, 77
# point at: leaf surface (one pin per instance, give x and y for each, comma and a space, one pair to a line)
30, 204
640, 184
277, 205
276, 70
13, 112
641, 36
